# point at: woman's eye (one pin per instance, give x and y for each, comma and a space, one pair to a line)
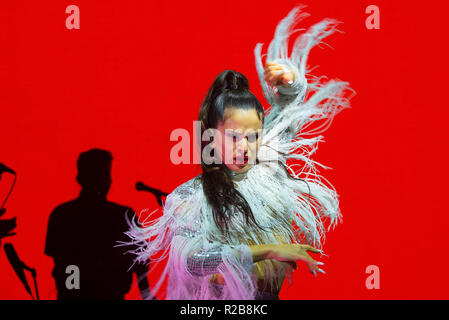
253, 137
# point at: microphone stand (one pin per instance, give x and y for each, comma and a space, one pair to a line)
19, 266
34, 275
11, 225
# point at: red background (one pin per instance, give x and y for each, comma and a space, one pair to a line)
136, 70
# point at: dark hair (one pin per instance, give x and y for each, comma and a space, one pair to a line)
230, 89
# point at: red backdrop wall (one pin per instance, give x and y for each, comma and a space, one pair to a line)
136, 70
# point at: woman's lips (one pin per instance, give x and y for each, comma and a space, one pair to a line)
241, 161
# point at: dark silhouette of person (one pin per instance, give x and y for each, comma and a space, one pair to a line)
82, 236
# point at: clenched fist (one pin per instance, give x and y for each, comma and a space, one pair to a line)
277, 74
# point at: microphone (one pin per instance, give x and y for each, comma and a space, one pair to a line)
4, 168
17, 265
140, 186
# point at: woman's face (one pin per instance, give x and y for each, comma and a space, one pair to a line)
239, 137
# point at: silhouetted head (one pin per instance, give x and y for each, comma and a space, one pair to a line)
94, 171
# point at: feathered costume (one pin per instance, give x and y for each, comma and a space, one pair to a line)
290, 201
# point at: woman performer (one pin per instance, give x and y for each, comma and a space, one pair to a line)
235, 230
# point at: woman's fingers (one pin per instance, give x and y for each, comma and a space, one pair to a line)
274, 76
274, 73
278, 77
313, 267
310, 248
273, 68
303, 256
271, 64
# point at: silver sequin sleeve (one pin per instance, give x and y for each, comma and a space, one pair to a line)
203, 262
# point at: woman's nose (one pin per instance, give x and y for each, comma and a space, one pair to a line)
242, 145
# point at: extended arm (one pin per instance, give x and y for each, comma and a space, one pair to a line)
202, 262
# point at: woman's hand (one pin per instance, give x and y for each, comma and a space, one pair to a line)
277, 74
291, 253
